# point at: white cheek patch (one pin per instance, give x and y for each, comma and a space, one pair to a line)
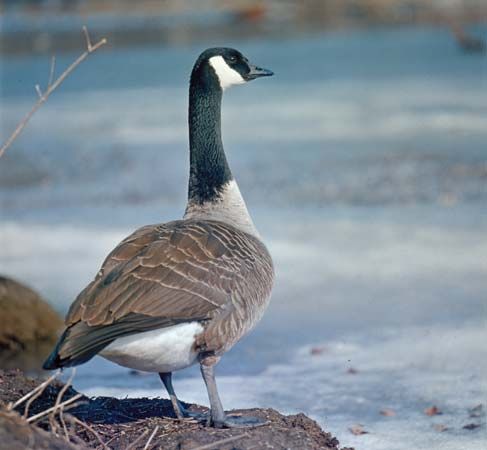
226, 75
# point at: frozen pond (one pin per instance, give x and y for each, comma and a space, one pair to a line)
364, 164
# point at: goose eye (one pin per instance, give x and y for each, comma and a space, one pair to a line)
232, 58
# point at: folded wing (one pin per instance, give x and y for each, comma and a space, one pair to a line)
159, 276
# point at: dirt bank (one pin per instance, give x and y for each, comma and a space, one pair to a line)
29, 326
105, 422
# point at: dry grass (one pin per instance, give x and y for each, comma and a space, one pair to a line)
68, 426
106, 423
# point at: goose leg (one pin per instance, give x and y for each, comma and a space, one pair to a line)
179, 409
217, 415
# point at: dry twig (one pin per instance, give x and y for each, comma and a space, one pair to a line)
65, 387
146, 446
63, 423
220, 442
90, 429
134, 443
54, 408
34, 397
51, 71
52, 86
52, 417
41, 387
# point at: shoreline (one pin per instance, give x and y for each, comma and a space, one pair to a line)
136, 423
44, 33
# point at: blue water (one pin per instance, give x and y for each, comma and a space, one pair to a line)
364, 164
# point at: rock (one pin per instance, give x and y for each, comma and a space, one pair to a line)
131, 422
29, 327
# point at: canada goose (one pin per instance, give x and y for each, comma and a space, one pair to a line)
182, 292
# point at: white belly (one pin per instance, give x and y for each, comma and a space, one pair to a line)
162, 350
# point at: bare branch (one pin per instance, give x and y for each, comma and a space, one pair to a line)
38, 90
87, 37
51, 88
51, 71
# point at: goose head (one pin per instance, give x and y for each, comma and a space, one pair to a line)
223, 67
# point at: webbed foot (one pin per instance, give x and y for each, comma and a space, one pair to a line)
230, 421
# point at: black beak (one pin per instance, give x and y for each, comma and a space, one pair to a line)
256, 72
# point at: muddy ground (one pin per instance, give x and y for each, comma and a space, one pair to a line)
129, 424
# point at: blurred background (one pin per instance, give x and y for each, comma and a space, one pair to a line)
363, 162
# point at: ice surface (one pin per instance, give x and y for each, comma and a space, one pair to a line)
406, 371
366, 175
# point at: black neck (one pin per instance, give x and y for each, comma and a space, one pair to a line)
209, 169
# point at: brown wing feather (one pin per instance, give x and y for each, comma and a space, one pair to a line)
179, 270
166, 274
